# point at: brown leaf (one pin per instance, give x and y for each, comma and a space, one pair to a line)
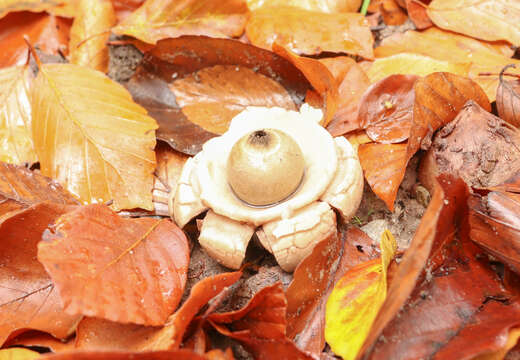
386, 109
508, 98
212, 96
352, 83
310, 32
91, 137
27, 295
160, 19
174, 58
49, 33
392, 14
137, 274
327, 6
89, 34
384, 166
21, 188
182, 354
307, 294
482, 19
417, 13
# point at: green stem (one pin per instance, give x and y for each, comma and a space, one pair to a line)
364, 7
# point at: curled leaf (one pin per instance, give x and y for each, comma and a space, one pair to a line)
508, 98
417, 13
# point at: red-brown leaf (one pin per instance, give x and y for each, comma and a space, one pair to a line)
136, 274
417, 13
41, 339
508, 99
182, 354
28, 297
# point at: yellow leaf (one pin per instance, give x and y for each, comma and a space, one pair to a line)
7, 6
16, 145
327, 6
18, 354
444, 45
89, 34
91, 137
512, 339
413, 64
483, 19
355, 301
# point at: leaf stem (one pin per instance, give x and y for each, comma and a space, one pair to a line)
32, 51
364, 7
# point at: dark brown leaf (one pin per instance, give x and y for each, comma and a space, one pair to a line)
508, 98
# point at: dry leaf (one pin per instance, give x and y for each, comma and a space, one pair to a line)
413, 64
41, 339
508, 98
483, 19
124, 8
212, 96
182, 354
355, 301
392, 13
91, 137
16, 145
310, 32
417, 13
18, 354
327, 6
89, 34
160, 19
8, 6
136, 274
28, 297
49, 33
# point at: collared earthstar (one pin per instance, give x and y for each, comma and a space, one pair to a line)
304, 172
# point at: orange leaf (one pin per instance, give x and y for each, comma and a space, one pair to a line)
483, 19
327, 6
160, 19
182, 354
508, 99
124, 8
8, 6
89, 34
392, 13
136, 274
91, 136
41, 339
28, 297
417, 13
310, 32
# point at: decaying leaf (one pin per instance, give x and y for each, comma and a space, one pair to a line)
386, 109
356, 300
90, 32
49, 33
16, 145
174, 59
310, 32
137, 274
508, 98
91, 137
417, 13
483, 19
28, 297
327, 6
160, 19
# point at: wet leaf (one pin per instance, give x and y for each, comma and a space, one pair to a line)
307, 295
160, 19
49, 33
137, 274
212, 96
444, 45
417, 13
508, 98
483, 19
18, 354
386, 109
310, 32
91, 137
90, 32
355, 301
173, 59
28, 297
327, 6
16, 145
413, 64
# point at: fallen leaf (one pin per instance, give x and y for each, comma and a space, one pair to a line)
512, 340
91, 137
413, 64
352, 83
16, 145
417, 13
124, 8
40, 339
182, 354
327, 6
174, 59
483, 19
447, 46
8, 6
310, 32
386, 109
307, 294
160, 19
392, 13
212, 96
137, 274
28, 297
49, 33
20, 188
18, 354
89, 34
508, 98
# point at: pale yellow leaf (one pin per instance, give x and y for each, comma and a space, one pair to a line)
91, 136
18, 354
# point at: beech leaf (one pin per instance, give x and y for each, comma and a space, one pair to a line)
355, 301
160, 19
327, 6
508, 98
8, 6
91, 137
417, 13
182, 354
18, 354
136, 274
40, 339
